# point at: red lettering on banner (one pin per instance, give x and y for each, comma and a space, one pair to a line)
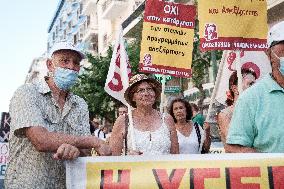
198, 175
123, 181
235, 174
276, 177
116, 84
117, 60
168, 182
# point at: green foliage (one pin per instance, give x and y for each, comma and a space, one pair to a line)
201, 61
92, 81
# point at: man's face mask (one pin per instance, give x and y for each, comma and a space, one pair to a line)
64, 78
281, 59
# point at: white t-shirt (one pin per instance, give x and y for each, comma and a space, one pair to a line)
100, 134
189, 145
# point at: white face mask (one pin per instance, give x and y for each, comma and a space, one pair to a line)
281, 59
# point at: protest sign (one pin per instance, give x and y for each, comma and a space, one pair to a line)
256, 61
167, 38
4, 145
220, 171
232, 24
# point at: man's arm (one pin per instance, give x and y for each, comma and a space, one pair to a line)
207, 140
242, 131
45, 141
234, 148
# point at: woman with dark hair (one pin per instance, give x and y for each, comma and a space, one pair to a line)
192, 138
225, 116
153, 133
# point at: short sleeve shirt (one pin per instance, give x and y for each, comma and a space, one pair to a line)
258, 118
33, 105
199, 118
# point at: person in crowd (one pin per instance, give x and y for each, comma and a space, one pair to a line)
258, 121
94, 125
122, 110
49, 124
196, 115
153, 133
192, 138
102, 132
224, 117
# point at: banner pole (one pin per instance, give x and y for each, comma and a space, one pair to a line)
163, 94
123, 58
218, 79
130, 118
239, 71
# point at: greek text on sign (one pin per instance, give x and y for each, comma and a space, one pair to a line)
234, 171
233, 24
167, 38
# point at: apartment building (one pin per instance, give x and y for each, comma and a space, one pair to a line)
75, 21
89, 24
37, 70
92, 24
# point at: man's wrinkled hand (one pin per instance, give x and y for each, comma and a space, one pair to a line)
135, 152
66, 152
103, 149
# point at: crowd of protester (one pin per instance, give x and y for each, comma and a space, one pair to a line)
49, 124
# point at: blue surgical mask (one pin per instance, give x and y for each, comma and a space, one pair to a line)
281, 59
64, 78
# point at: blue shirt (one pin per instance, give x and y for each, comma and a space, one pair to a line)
258, 118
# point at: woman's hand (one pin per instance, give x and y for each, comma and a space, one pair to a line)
134, 152
103, 149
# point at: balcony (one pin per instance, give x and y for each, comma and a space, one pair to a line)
89, 6
113, 8
275, 11
133, 24
89, 33
273, 3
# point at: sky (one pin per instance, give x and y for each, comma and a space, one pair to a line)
23, 37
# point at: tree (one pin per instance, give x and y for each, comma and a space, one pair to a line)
92, 81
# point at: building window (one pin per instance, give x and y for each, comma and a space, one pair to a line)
81, 8
56, 30
105, 40
75, 39
88, 20
69, 25
60, 23
64, 34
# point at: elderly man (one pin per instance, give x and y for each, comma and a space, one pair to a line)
49, 124
257, 124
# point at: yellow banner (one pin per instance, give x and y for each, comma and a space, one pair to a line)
231, 171
168, 45
167, 38
235, 24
